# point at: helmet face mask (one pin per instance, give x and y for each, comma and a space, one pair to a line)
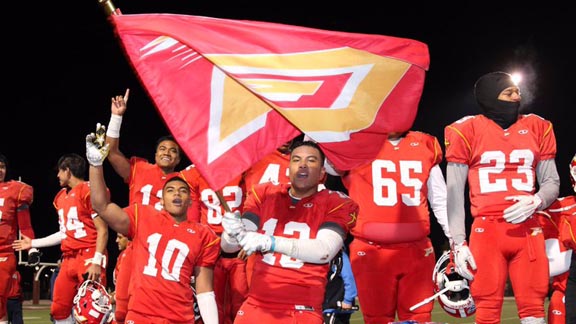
92, 304
454, 292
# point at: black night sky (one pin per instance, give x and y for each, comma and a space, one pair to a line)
62, 64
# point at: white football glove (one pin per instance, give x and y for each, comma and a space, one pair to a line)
253, 241
233, 225
462, 259
100, 135
524, 207
96, 149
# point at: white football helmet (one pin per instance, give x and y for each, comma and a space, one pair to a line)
452, 289
92, 304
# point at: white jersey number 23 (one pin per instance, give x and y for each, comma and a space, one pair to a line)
491, 177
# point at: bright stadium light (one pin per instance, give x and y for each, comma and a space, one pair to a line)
516, 78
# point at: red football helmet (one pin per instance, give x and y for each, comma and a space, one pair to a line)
92, 304
452, 289
573, 172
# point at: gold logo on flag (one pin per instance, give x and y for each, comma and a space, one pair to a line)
333, 91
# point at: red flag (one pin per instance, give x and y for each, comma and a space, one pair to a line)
231, 91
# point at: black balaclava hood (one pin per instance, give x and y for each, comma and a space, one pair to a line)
486, 91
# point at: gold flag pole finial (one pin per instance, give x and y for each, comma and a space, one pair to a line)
108, 7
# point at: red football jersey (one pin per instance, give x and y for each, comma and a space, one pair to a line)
550, 221
210, 208
75, 216
146, 182
273, 167
14, 196
501, 162
392, 190
279, 279
164, 256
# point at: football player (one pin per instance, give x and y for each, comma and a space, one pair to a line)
501, 154
15, 200
83, 237
295, 230
395, 192
273, 168
169, 250
144, 180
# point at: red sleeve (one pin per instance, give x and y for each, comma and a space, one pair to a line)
567, 221
432, 145
344, 212
437, 151
133, 212
456, 143
568, 231
86, 202
567, 226
548, 147
211, 250
25, 198
134, 163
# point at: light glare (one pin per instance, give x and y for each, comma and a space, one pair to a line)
516, 78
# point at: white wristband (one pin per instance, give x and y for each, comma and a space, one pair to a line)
97, 259
114, 126
208, 308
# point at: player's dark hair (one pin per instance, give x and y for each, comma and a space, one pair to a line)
4, 160
75, 163
168, 138
176, 178
310, 144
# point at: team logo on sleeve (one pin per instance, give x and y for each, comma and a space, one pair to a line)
353, 216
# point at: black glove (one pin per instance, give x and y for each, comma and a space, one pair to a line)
34, 258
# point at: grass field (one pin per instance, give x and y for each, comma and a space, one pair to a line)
39, 314
509, 315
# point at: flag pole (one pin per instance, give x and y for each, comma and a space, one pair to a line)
108, 7
223, 202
